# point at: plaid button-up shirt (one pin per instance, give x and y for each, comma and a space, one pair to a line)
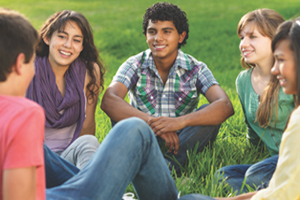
179, 96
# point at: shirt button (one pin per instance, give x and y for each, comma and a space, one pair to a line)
151, 97
180, 99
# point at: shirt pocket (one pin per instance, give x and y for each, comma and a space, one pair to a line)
146, 99
185, 101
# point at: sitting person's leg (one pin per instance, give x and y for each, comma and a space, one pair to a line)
57, 169
196, 197
189, 137
81, 150
261, 172
233, 175
253, 175
129, 153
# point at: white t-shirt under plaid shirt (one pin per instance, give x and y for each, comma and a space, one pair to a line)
179, 96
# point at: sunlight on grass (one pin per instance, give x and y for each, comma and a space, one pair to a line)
117, 27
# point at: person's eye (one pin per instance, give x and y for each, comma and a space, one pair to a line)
61, 36
151, 32
279, 60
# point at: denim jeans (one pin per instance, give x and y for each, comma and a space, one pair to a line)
196, 197
129, 153
189, 137
255, 175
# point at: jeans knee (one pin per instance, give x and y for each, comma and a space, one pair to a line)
135, 123
138, 127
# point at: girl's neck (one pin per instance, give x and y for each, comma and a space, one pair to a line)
261, 75
264, 68
59, 71
262, 71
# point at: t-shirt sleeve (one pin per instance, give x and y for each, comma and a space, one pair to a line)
24, 145
127, 74
285, 181
205, 79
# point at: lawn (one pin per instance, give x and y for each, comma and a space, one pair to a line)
117, 27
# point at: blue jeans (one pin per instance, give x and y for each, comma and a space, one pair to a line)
129, 153
196, 197
255, 175
189, 137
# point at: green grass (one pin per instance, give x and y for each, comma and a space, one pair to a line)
117, 27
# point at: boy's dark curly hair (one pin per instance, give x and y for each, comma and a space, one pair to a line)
167, 12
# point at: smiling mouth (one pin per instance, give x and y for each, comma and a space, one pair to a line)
282, 81
65, 53
245, 53
159, 46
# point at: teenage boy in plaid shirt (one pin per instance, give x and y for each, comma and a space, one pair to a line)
164, 86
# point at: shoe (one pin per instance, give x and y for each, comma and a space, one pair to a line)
128, 196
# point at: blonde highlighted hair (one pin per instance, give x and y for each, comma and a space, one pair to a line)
266, 21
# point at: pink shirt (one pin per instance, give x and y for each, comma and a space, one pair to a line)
22, 125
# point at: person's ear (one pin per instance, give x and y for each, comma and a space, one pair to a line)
181, 37
46, 40
19, 63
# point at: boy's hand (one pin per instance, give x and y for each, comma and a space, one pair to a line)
162, 125
172, 141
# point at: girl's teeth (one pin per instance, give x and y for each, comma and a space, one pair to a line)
65, 53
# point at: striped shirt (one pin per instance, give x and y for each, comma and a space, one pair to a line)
179, 96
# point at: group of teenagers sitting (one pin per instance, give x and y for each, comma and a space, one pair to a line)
49, 87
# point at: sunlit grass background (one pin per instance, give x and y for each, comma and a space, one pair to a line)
117, 27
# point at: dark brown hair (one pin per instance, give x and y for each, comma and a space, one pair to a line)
90, 54
167, 12
290, 30
17, 35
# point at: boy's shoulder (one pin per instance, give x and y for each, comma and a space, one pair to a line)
188, 61
13, 105
138, 59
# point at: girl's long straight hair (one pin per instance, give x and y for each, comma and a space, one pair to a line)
266, 21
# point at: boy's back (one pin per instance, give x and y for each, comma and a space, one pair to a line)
21, 138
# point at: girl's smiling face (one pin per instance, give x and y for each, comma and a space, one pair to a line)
65, 45
284, 67
255, 48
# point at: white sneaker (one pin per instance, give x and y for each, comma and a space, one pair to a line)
128, 196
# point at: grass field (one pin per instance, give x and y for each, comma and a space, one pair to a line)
117, 27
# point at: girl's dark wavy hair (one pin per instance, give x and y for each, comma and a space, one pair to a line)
290, 30
167, 12
90, 54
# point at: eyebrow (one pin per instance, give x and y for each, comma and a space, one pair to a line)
68, 34
246, 33
278, 54
166, 28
